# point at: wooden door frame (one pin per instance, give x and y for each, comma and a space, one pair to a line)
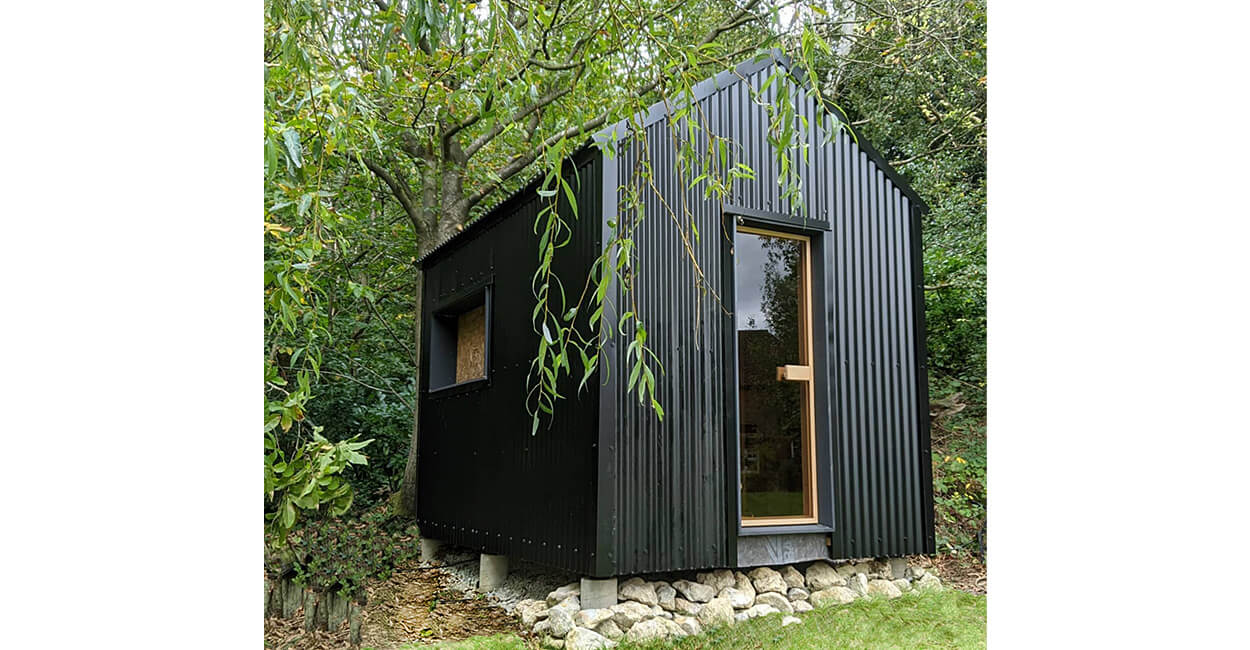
811, 497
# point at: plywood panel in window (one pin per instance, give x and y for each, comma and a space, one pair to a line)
471, 345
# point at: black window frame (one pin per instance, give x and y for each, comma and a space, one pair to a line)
819, 233
442, 327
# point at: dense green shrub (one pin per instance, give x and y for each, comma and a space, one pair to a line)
344, 410
959, 495
922, 103
954, 266
959, 469
341, 554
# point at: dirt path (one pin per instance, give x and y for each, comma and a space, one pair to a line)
414, 605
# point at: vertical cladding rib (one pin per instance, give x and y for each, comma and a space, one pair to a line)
897, 525
890, 336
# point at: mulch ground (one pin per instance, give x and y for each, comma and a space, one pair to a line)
962, 572
413, 606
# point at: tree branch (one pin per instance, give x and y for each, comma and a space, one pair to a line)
521, 114
372, 307
387, 326
521, 161
380, 390
468, 122
554, 67
398, 189
734, 22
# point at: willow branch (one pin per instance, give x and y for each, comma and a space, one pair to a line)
397, 189
521, 161
521, 114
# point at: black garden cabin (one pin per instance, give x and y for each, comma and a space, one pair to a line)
794, 383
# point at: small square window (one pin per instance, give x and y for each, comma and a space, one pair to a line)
459, 338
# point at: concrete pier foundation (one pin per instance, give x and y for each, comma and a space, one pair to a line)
598, 593
493, 571
429, 548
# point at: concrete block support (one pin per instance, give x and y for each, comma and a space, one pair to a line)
492, 572
898, 567
598, 594
429, 548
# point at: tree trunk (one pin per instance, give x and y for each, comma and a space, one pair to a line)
408, 488
454, 216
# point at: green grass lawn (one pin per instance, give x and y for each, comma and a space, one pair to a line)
496, 642
944, 619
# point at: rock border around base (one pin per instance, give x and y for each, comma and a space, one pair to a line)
684, 605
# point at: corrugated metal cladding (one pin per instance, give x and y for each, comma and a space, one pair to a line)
484, 482
883, 489
671, 497
675, 492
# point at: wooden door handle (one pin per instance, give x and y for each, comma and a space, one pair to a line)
794, 373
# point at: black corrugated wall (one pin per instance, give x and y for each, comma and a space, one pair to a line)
484, 482
675, 482
883, 486
670, 499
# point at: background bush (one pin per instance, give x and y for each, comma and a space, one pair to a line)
342, 554
346, 409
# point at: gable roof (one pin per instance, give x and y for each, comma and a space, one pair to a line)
661, 109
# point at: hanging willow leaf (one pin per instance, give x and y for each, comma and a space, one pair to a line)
290, 138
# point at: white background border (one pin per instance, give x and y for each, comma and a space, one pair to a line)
1118, 354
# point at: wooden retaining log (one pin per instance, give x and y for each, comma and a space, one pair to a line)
311, 606
338, 611
355, 612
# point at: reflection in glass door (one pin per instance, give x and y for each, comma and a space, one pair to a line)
773, 314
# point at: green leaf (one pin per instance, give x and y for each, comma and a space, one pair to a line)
304, 202
588, 366
290, 138
288, 515
570, 195
271, 158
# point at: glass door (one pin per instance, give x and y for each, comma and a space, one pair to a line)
775, 412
